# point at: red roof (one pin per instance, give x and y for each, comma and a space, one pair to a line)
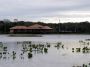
46, 27
19, 27
35, 26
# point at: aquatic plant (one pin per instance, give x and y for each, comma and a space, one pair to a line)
30, 55
45, 50
62, 46
0, 55
72, 49
48, 45
4, 48
85, 50
14, 55
84, 65
78, 49
30, 49
1, 44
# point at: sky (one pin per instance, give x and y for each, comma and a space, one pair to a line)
49, 11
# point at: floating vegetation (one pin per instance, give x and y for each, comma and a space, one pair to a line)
87, 39
78, 49
83, 50
14, 54
1, 44
59, 45
45, 50
48, 45
84, 47
72, 49
5, 48
83, 65
25, 47
0, 55
29, 55
29, 49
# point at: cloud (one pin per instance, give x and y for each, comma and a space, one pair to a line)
42, 8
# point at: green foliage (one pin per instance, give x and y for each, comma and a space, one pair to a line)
70, 27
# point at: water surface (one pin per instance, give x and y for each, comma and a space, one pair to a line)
45, 51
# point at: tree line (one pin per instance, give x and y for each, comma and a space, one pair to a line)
69, 27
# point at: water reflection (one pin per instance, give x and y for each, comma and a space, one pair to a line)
25, 47
30, 49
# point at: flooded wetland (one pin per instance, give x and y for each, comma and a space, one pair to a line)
45, 51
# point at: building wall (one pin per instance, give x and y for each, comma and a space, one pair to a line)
35, 31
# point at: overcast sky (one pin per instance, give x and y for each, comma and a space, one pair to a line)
45, 10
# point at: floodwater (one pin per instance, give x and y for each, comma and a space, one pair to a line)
46, 51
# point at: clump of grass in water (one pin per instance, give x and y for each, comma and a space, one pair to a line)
0, 55
83, 65
85, 50
14, 55
30, 55
45, 50
1, 44
72, 49
48, 45
28, 47
59, 45
5, 48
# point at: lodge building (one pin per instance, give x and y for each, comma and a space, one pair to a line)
36, 28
